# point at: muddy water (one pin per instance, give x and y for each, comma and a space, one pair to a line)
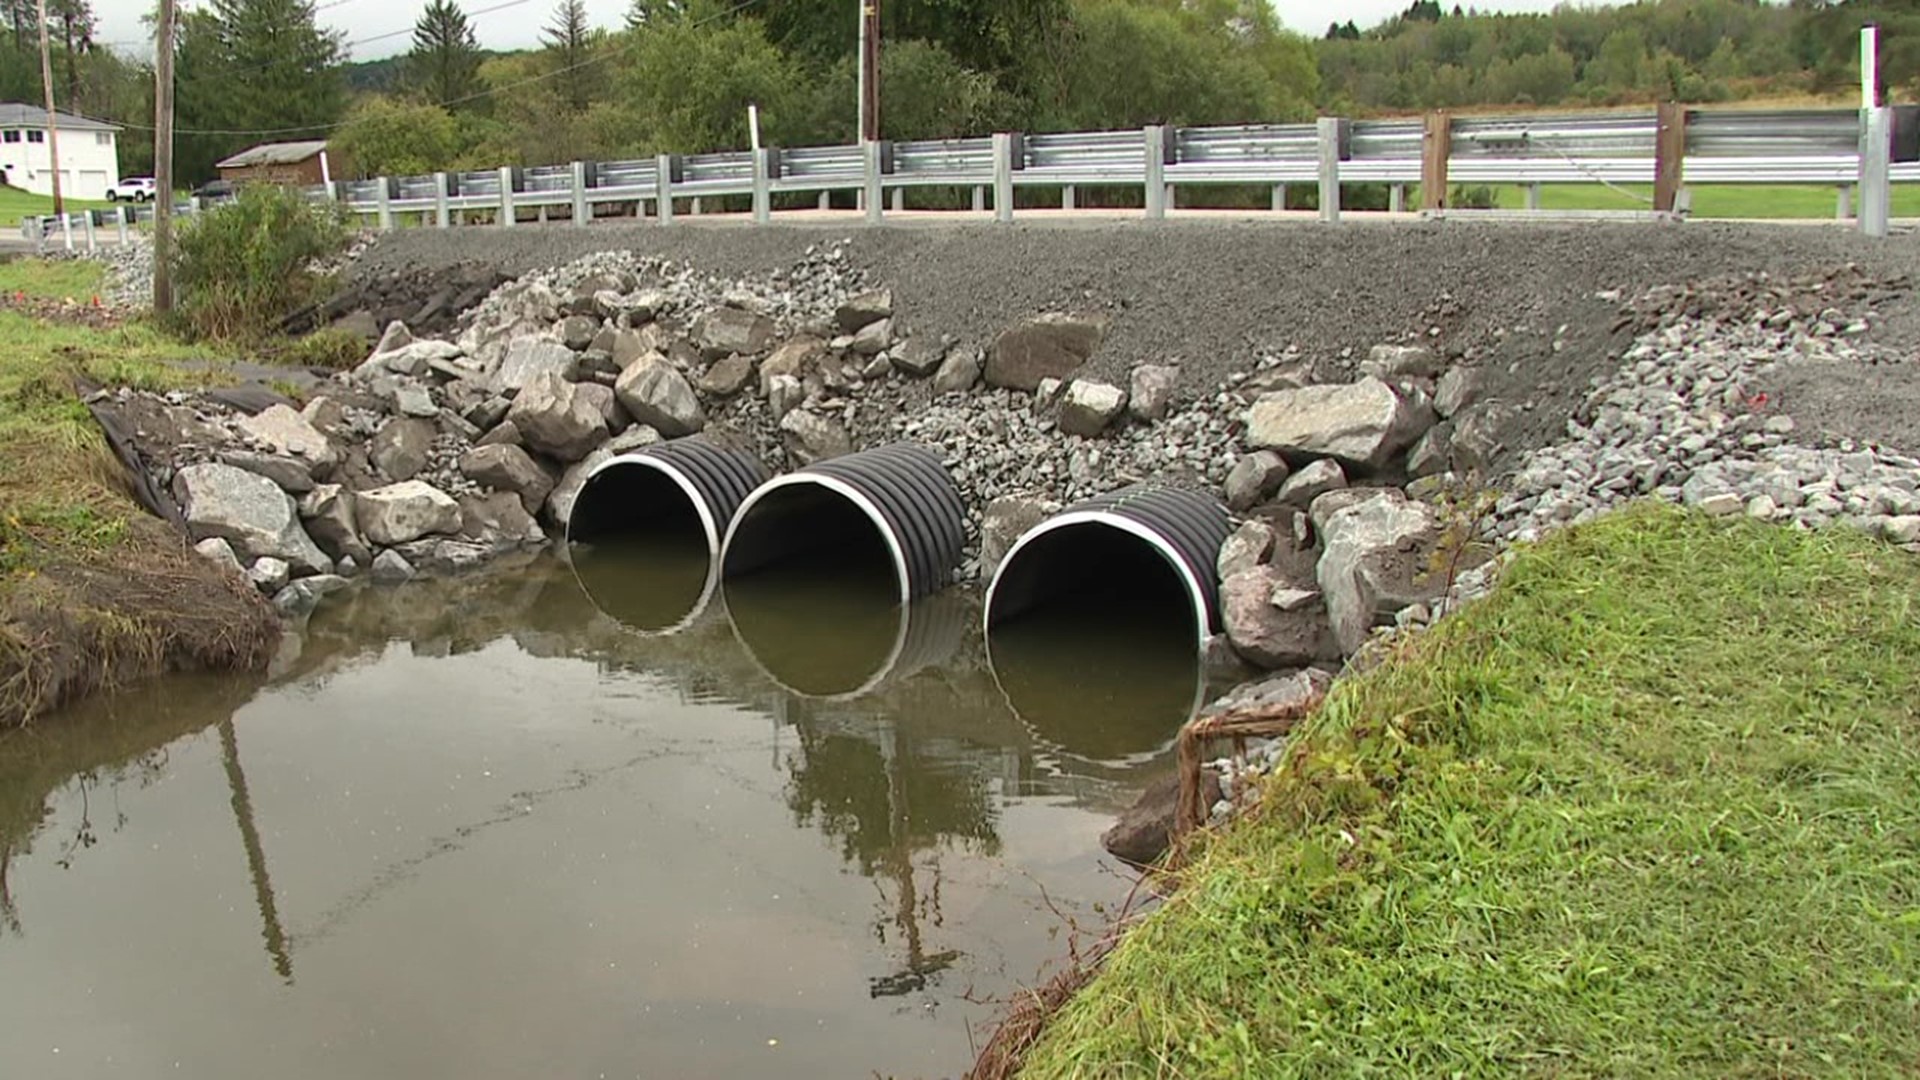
506, 828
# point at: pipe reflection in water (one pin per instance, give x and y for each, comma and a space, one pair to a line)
1109, 678
656, 583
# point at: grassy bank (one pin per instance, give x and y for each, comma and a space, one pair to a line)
1810, 202
53, 279
16, 204
93, 591
1652, 810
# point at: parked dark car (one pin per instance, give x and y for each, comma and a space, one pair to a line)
215, 191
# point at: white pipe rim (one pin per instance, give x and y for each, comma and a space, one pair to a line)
1195, 591
670, 471
841, 488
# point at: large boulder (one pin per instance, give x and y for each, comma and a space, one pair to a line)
1312, 481
578, 331
656, 394
560, 500
920, 356
873, 339
784, 394
529, 358
958, 372
864, 310
1150, 392
402, 447
1254, 478
626, 346
796, 359
1273, 622
294, 476
555, 419
509, 469
1051, 346
1374, 563
248, 511
1294, 690
1088, 407
1401, 362
1248, 548
1143, 834
726, 330
1430, 456
1007, 519
1477, 436
288, 432
810, 437
1456, 390
725, 378
327, 511
399, 513
1362, 424
499, 521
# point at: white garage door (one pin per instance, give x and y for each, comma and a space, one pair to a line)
92, 185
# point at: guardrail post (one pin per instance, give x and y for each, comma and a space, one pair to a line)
383, 203
1153, 149
1329, 131
826, 200
1436, 149
1876, 171
979, 199
66, 230
1396, 198
872, 195
442, 213
762, 186
897, 201
663, 187
1843, 206
506, 196
120, 219
693, 206
1067, 197
580, 213
1279, 198
1533, 196
1669, 156
1003, 176
87, 216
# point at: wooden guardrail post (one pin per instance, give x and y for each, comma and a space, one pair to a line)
1436, 150
1669, 156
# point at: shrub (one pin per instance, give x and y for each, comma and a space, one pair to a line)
1477, 197
241, 268
334, 350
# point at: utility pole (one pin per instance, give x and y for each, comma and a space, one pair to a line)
53, 129
163, 163
870, 71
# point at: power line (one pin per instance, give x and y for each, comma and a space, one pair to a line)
480, 95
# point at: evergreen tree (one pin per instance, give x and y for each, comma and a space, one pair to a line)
654, 12
256, 71
74, 18
569, 40
444, 65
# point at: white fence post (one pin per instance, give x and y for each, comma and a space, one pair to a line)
87, 216
1843, 205
442, 213
1876, 169
66, 230
872, 194
897, 200
383, 200
506, 196
120, 218
1067, 197
1003, 176
762, 186
1329, 132
1279, 198
1533, 197
582, 214
826, 200
979, 199
1153, 150
663, 187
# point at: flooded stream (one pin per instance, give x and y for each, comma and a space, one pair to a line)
505, 827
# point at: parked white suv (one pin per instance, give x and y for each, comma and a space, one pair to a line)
132, 189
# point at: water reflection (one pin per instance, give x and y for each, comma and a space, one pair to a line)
652, 582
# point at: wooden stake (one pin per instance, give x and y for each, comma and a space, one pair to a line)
870, 71
53, 129
163, 163
1435, 151
1669, 155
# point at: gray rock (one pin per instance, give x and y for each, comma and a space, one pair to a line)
327, 415
1005, 520
1150, 395
659, 396
1476, 436
634, 438
809, 437
1433, 453
487, 414
1088, 407
1401, 362
785, 395
1457, 389
864, 310
360, 324
797, 359
1327, 504
1362, 424
248, 511
877, 368
402, 447
1904, 529
560, 499
1145, 831
1254, 478
294, 476
287, 432
396, 336
1248, 548
873, 339
556, 419
269, 574
578, 331
415, 400
1725, 504
300, 597
1312, 481
418, 358
1371, 556
1265, 635
1048, 346
529, 358
723, 331
919, 356
446, 556
727, 377
509, 469
626, 346
219, 551
347, 567
958, 373
391, 568
328, 513
399, 513
1296, 689
499, 521
605, 402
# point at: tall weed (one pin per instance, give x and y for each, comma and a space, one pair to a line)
243, 267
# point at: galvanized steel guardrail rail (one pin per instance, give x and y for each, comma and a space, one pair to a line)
1851, 150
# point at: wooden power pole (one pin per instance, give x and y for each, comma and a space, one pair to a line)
870, 71
163, 163
53, 128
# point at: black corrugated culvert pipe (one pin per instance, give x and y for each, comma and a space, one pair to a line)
884, 523
646, 529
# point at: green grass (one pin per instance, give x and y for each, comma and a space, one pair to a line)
1748, 201
58, 279
1653, 810
16, 204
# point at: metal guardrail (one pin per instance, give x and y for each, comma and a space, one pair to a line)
1747, 146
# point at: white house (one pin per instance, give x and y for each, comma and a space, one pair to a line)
89, 154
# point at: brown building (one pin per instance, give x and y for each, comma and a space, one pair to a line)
296, 163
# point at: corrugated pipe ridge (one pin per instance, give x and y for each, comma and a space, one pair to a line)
1186, 528
715, 480
902, 489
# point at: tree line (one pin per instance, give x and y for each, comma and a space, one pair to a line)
677, 75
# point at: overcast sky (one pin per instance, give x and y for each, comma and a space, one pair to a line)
518, 25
